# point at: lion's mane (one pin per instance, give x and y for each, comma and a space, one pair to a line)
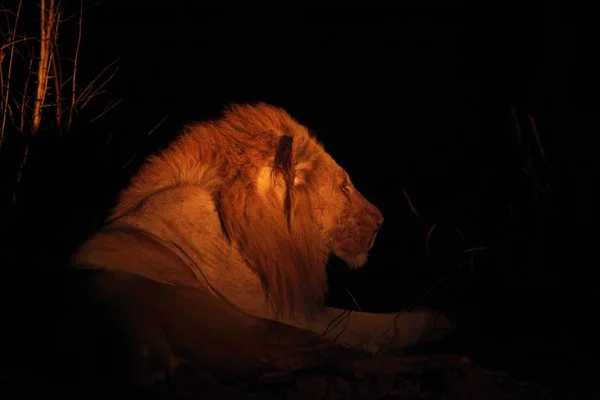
282, 245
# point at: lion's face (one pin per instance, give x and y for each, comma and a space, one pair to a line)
349, 221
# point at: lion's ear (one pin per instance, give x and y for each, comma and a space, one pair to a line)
284, 160
284, 165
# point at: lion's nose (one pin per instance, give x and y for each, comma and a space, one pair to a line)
378, 218
375, 213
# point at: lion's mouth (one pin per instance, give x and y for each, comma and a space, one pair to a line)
373, 240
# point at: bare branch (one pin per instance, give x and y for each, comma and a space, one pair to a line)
57, 73
57, 95
12, 42
1, 77
46, 29
8, 12
109, 107
158, 124
64, 83
413, 209
65, 19
9, 73
89, 92
75, 64
24, 97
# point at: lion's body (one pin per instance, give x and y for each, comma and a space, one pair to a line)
124, 328
249, 208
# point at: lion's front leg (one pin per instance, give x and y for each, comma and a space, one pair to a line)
374, 332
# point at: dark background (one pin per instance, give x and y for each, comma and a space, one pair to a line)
417, 99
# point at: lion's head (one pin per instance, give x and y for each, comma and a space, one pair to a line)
281, 199
349, 222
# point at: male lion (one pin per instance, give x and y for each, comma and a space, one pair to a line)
249, 208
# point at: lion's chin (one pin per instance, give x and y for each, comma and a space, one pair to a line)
354, 261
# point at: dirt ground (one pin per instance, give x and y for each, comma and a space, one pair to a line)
426, 377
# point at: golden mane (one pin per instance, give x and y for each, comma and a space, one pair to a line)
281, 244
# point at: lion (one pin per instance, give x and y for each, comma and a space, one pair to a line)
250, 207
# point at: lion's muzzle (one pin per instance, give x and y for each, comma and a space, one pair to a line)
378, 218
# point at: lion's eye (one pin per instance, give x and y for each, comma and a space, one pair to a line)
347, 188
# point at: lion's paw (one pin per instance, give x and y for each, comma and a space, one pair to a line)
413, 327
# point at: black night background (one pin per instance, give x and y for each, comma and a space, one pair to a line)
469, 129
